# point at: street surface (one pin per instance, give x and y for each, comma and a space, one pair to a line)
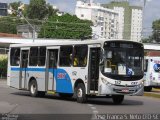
13, 101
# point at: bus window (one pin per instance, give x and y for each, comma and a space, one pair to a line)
42, 56
65, 52
15, 56
145, 65
80, 56
33, 58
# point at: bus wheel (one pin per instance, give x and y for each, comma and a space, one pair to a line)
81, 93
117, 99
33, 88
148, 89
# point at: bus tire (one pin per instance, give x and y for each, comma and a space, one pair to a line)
33, 88
117, 99
148, 89
81, 93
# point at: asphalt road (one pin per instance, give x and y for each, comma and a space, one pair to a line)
13, 101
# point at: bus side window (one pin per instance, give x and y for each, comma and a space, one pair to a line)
146, 65
33, 58
42, 56
65, 52
15, 56
80, 56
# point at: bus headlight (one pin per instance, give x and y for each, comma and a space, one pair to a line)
140, 85
105, 81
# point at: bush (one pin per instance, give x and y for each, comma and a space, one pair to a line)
3, 66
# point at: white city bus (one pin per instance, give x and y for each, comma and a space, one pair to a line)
78, 68
151, 66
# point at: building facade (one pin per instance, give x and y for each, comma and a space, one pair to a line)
3, 9
26, 31
130, 19
105, 21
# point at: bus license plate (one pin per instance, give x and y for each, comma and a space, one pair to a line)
125, 90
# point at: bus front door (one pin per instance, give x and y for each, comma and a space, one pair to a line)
51, 69
23, 69
94, 69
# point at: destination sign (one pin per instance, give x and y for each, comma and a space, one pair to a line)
122, 44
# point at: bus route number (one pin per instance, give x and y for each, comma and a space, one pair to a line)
117, 82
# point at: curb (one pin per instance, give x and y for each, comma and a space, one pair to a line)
151, 94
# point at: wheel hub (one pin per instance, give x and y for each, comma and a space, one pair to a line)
33, 89
79, 92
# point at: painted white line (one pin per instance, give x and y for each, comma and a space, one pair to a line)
90, 105
94, 108
95, 112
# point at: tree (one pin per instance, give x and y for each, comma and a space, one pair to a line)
8, 25
15, 6
65, 27
51, 11
3, 65
147, 40
156, 30
37, 9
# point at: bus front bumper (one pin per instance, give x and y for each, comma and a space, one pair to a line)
155, 83
121, 90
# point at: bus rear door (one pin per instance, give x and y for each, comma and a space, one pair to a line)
52, 57
23, 69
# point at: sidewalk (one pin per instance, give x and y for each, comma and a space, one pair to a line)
154, 93
3, 79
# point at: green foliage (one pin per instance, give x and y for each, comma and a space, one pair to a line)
37, 9
8, 25
15, 5
65, 27
156, 30
147, 40
51, 11
3, 67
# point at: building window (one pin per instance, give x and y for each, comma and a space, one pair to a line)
101, 28
82, 15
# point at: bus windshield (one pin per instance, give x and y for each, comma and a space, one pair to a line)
123, 60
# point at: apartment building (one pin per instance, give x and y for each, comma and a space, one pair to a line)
130, 19
105, 21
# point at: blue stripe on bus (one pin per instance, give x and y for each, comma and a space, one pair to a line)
28, 69
63, 81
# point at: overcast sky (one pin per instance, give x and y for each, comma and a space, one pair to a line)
151, 11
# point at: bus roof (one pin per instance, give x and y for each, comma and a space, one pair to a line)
151, 46
45, 42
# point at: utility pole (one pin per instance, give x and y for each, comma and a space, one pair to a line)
21, 15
